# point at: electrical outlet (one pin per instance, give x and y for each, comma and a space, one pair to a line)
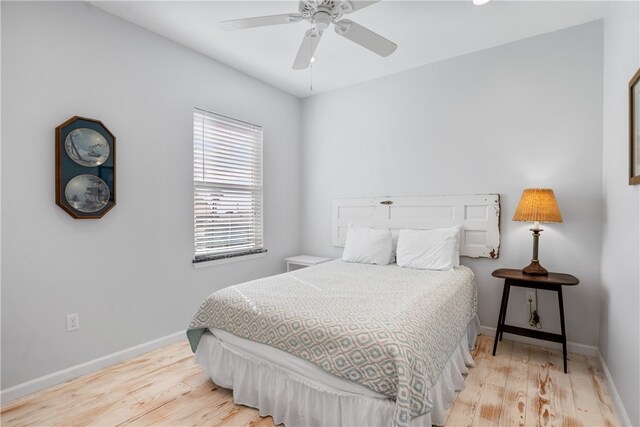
531, 296
73, 322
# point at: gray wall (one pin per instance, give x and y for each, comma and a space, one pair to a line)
620, 299
129, 274
526, 114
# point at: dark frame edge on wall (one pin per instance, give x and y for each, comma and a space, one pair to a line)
58, 171
633, 179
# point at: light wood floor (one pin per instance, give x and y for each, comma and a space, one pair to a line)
522, 385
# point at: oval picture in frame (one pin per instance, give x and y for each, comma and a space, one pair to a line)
87, 193
87, 147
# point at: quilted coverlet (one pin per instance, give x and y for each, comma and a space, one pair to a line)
388, 328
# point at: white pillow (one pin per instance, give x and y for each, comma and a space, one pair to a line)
368, 246
456, 260
428, 249
458, 230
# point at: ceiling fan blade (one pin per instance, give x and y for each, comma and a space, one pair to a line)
355, 5
307, 49
365, 37
260, 21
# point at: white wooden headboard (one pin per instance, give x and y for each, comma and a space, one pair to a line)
478, 214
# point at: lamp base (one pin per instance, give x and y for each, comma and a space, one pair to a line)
535, 269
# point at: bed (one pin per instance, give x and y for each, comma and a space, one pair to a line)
342, 343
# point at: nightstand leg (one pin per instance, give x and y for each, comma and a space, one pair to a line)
506, 305
564, 334
500, 317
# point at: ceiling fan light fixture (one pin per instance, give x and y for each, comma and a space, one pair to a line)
480, 2
321, 19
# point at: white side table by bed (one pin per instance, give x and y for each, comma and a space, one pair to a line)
302, 261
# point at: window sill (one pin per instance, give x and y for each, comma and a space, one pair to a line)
221, 261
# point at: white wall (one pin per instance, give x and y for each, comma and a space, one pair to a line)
520, 115
129, 274
620, 312
525, 114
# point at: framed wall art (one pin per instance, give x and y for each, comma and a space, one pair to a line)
634, 129
85, 168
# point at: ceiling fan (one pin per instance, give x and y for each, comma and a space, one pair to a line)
321, 13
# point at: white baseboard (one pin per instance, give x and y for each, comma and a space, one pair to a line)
572, 347
624, 417
59, 377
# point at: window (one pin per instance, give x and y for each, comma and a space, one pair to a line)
227, 187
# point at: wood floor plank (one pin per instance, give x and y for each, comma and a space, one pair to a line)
149, 398
93, 389
466, 404
241, 416
489, 406
538, 410
484, 347
514, 407
192, 405
464, 408
605, 402
139, 390
521, 386
259, 421
585, 398
560, 393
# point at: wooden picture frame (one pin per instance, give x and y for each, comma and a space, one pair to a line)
634, 129
85, 168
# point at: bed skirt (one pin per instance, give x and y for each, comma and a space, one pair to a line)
295, 400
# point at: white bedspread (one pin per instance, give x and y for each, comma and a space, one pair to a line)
387, 328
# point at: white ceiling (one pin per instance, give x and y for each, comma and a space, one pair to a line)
425, 32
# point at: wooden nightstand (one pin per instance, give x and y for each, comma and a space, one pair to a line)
301, 261
552, 282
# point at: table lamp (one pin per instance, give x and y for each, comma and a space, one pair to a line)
537, 205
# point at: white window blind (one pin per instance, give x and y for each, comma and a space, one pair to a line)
227, 186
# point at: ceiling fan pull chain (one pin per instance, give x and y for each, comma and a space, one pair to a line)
311, 66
